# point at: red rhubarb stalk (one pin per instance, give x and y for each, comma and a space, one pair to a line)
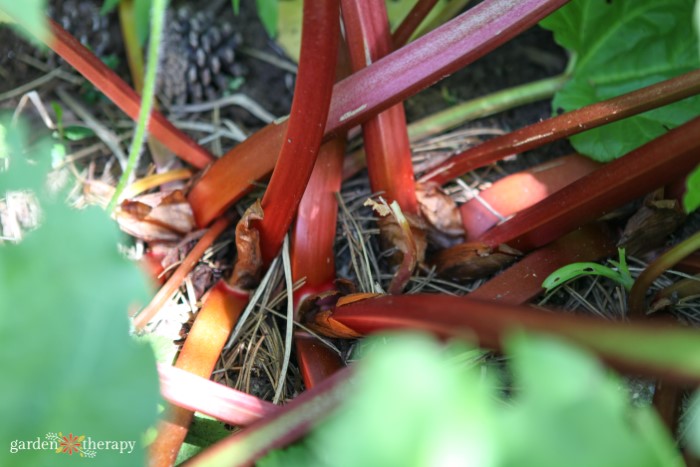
522, 282
651, 349
386, 143
283, 427
313, 258
521, 190
411, 22
123, 96
197, 394
300, 146
567, 124
648, 167
313, 236
381, 85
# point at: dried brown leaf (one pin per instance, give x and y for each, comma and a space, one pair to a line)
469, 261
651, 225
248, 268
162, 216
444, 219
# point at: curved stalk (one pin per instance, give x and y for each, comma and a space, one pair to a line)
655, 269
312, 96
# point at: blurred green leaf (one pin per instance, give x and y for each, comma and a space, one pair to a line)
203, 432
236, 6
620, 47
142, 19
29, 13
691, 198
412, 406
108, 6
268, 11
68, 362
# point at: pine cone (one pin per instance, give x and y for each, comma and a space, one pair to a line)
199, 48
82, 18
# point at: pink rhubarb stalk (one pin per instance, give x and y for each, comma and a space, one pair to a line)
197, 394
521, 190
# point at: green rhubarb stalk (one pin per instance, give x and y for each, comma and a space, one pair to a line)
484, 106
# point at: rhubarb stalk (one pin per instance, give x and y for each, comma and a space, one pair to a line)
375, 88
567, 124
651, 349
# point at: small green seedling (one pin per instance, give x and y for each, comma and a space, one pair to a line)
620, 273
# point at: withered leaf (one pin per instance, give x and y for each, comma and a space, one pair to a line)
162, 216
248, 268
407, 235
651, 225
445, 226
469, 261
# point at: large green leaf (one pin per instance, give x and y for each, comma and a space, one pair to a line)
413, 405
621, 46
68, 364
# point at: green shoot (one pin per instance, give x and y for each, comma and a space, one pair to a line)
620, 273
157, 23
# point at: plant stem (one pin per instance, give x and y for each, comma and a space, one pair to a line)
411, 22
198, 394
147, 99
651, 349
379, 86
518, 191
484, 106
199, 354
108, 82
648, 167
567, 124
312, 97
523, 281
655, 269
289, 423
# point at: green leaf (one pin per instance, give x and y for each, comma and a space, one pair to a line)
68, 362
142, 16
268, 11
203, 432
236, 6
691, 198
575, 270
620, 47
413, 405
570, 402
29, 12
108, 6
